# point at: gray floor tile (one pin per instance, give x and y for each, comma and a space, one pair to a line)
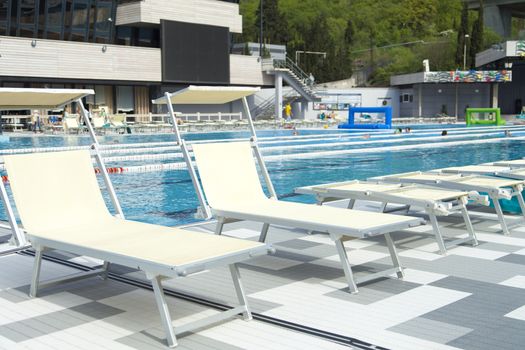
431, 330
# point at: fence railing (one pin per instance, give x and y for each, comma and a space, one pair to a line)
187, 117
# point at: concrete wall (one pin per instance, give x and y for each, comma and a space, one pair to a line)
212, 12
369, 97
509, 93
246, 70
435, 96
86, 61
75, 60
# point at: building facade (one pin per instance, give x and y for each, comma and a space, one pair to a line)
128, 51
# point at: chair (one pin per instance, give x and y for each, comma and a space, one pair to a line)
434, 201
78, 221
495, 187
99, 124
71, 124
231, 184
118, 122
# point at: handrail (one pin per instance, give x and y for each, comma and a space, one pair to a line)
290, 65
268, 103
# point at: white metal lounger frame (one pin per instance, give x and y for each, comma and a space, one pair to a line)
224, 219
494, 193
18, 236
204, 209
154, 272
329, 192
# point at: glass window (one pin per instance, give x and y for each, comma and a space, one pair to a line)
27, 18
101, 30
80, 20
147, 37
4, 16
124, 35
54, 19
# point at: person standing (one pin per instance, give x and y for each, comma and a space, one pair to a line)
36, 121
288, 112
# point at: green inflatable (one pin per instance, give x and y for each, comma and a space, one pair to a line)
484, 116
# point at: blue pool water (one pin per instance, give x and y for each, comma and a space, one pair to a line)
168, 197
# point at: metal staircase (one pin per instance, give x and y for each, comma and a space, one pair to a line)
295, 77
266, 109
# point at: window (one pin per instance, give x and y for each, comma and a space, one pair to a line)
5, 13
102, 24
27, 18
54, 19
406, 98
79, 20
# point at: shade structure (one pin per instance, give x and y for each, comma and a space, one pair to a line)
207, 95
20, 98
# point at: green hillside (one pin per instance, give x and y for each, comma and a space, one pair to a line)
354, 33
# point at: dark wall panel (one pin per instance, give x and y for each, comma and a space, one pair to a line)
195, 53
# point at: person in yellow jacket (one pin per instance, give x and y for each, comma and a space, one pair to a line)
288, 112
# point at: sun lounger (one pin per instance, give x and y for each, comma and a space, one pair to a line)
509, 169
118, 122
71, 124
233, 191
481, 169
86, 227
496, 188
434, 201
516, 163
99, 124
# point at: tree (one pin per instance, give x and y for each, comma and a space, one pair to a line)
476, 44
275, 26
462, 31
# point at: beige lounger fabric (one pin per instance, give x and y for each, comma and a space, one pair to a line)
63, 203
231, 183
482, 168
415, 192
208, 95
515, 162
22, 98
427, 176
360, 186
489, 181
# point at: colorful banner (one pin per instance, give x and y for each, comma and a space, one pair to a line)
472, 76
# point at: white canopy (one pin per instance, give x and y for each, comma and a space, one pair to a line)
19, 98
207, 95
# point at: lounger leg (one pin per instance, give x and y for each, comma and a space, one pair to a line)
346, 266
37, 264
521, 202
164, 311
382, 208
351, 204
437, 234
393, 255
219, 227
501, 217
239, 289
468, 224
105, 270
264, 232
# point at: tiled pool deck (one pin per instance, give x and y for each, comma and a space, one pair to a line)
472, 298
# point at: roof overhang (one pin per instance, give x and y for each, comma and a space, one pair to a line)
210, 95
20, 98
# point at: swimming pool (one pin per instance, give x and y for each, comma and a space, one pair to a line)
313, 157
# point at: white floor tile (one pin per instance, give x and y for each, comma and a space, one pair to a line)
516, 281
